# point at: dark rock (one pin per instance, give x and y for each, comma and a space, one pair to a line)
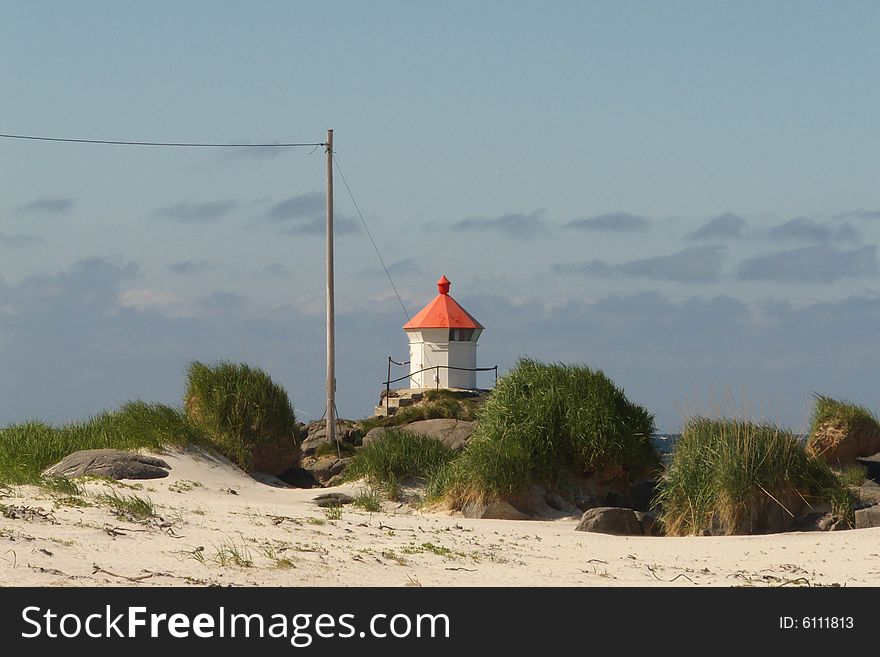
650, 525
324, 468
869, 517
326, 500
316, 435
872, 467
641, 494
453, 433
610, 520
868, 492
616, 499
113, 463
298, 478
584, 500
497, 510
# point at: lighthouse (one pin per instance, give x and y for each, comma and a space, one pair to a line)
443, 343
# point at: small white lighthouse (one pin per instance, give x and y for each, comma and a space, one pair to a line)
442, 337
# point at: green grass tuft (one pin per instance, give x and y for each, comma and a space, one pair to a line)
396, 455
239, 407
133, 506
29, 448
827, 410
725, 474
541, 422
368, 500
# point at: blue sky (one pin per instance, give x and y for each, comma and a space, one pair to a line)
682, 194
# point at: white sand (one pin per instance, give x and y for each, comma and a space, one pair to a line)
291, 542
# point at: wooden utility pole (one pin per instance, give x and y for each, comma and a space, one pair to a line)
331, 338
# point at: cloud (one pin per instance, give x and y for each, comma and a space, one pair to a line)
859, 214
274, 269
617, 222
204, 212
318, 226
84, 339
189, 267
19, 241
806, 230
303, 206
810, 264
53, 204
305, 214
726, 226
696, 264
522, 226
405, 267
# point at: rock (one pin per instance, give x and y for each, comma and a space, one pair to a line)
868, 492
113, 463
455, 434
298, 478
497, 510
610, 520
616, 499
642, 493
584, 500
316, 435
841, 444
649, 524
323, 468
872, 468
869, 517
274, 457
326, 500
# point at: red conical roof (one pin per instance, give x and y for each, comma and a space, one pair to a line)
442, 312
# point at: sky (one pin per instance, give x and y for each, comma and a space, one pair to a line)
681, 194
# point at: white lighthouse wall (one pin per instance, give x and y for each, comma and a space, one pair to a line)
428, 348
462, 354
432, 347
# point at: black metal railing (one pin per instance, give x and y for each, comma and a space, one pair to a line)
388, 381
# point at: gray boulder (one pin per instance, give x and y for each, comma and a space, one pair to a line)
610, 520
455, 434
869, 517
325, 468
497, 510
329, 500
112, 463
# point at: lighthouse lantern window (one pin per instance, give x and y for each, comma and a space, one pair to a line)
464, 334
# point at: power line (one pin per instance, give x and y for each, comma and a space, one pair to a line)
370, 235
161, 143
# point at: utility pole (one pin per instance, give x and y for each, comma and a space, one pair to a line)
331, 328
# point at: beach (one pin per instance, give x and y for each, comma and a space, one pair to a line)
214, 525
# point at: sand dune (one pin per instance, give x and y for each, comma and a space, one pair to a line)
218, 526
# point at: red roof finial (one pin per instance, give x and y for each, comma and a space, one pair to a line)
443, 285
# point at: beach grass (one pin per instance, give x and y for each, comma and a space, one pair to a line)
726, 473
133, 506
541, 422
28, 448
238, 407
827, 410
396, 455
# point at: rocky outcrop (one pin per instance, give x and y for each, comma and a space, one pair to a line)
324, 469
869, 517
453, 433
841, 443
347, 433
496, 510
112, 463
610, 520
